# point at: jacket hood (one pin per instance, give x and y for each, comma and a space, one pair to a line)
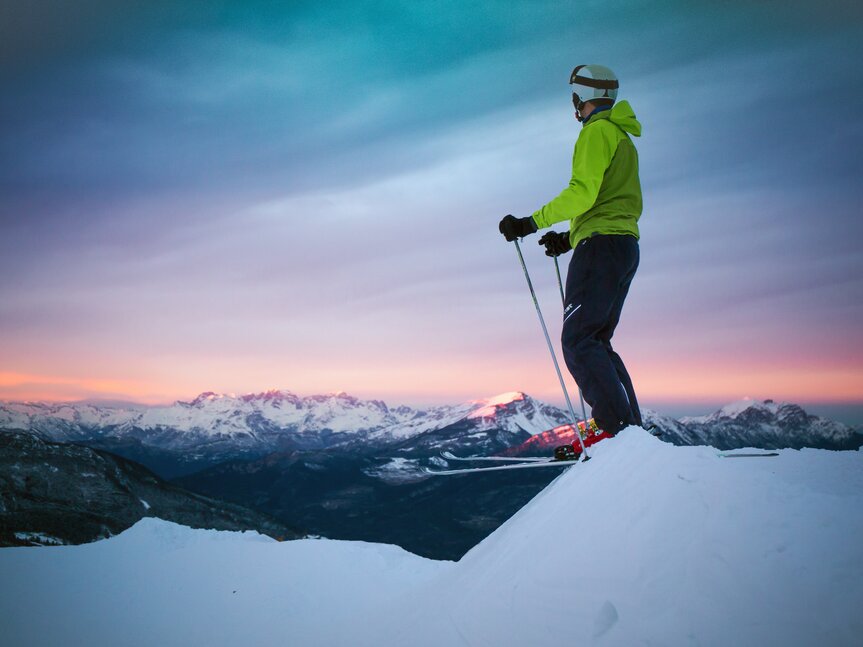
622, 116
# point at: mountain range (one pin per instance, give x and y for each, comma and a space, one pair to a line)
215, 427
188, 436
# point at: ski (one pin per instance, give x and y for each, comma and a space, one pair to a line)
764, 455
513, 466
497, 459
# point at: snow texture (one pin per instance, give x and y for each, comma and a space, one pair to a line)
646, 544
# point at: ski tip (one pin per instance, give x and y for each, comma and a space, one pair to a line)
427, 471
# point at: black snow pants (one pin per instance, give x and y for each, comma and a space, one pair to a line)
597, 283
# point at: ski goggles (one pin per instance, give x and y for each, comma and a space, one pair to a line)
599, 84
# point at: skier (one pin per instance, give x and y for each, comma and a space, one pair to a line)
602, 204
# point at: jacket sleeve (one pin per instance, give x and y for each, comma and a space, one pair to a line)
593, 153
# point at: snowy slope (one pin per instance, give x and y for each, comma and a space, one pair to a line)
660, 545
646, 544
163, 584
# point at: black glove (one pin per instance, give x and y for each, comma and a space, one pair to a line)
512, 227
555, 243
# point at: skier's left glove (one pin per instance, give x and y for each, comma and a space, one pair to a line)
512, 227
555, 243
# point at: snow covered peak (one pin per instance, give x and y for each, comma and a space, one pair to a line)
271, 395
489, 407
512, 412
207, 396
766, 424
338, 396
745, 406
515, 411
504, 398
734, 409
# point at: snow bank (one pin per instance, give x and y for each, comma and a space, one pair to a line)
646, 544
652, 544
163, 584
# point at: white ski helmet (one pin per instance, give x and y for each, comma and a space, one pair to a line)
590, 82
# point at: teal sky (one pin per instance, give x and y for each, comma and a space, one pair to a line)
235, 196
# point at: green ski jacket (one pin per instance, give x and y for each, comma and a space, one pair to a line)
604, 194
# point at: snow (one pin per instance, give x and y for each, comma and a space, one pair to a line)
39, 538
489, 407
396, 470
654, 544
734, 409
525, 414
163, 584
646, 544
21, 415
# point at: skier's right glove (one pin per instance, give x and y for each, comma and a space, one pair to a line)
555, 243
512, 227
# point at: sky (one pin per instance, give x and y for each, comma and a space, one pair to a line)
237, 196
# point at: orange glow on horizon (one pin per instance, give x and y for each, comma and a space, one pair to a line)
452, 382
810, 384
52, 388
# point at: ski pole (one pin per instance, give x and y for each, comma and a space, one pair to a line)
563, 299
584, 455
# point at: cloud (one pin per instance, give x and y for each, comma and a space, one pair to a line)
252, 193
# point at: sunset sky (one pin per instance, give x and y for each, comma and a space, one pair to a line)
241, 196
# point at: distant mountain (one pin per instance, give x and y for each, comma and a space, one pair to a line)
764, 424
56, 493
187, 437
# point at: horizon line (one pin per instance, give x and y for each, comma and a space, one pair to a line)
143, 402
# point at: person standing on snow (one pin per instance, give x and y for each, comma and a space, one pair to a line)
602, 204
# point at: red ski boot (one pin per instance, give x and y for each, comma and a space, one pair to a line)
590, 434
